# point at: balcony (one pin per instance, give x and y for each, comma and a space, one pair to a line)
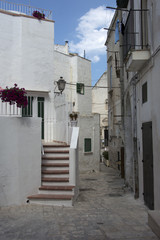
11, 6
136, 59
135, 41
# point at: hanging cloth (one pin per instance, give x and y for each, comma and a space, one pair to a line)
117, 32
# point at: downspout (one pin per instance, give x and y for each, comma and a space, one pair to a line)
135, 153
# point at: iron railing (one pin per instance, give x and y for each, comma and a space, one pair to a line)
23, 8
135, 34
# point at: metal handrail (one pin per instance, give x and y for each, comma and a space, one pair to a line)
22, 8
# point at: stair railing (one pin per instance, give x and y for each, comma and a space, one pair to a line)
73, 164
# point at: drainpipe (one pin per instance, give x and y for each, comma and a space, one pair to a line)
135, 153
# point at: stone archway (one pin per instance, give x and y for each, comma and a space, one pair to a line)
128, 144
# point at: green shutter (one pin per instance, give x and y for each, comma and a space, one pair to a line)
80, 88
41, 113
28, 110
87, 145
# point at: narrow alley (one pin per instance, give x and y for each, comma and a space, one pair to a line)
104, 210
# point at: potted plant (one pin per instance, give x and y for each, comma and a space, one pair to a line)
14, 95
73, 118
38, 15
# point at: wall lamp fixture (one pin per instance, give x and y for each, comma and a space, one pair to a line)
61, 85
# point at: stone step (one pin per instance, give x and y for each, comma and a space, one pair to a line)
54, 158
55, 168
56, 146
56, 155
56, 189
56, 151
54, 161
154, 221
51, 199
51, 196
59, 165
49, 172
53, 175
62, 179
60, 188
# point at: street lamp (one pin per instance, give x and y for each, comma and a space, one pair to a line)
61, 85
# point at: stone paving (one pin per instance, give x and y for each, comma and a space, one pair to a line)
104, 211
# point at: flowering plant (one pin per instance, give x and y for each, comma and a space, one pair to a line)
14, 95
38, 15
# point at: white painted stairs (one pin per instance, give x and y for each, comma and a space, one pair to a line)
55, 187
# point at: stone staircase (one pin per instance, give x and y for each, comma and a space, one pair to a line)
55, 187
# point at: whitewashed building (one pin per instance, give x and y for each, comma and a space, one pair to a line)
116, 139
100, 105
141, 61
29, 58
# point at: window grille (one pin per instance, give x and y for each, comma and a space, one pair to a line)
28, 110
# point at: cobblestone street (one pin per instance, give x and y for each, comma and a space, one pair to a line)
103, 211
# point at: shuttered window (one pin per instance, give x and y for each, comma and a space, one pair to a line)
144, 93
80, 88
87, 145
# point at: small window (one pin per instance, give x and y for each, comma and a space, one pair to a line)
80, 88
144, 93
87, 145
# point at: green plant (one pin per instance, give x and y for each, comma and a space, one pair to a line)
105, 155
73, 116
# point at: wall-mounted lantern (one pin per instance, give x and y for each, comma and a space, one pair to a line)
61, 85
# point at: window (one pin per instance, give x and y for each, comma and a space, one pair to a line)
80, 88
87, 145
144, 93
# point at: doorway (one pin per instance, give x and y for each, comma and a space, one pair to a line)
148, 177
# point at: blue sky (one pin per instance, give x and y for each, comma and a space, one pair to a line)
81, 23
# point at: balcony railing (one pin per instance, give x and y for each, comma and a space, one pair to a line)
9, 110
135, 32
22, 8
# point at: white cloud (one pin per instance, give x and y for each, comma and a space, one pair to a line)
90, 33
96, 59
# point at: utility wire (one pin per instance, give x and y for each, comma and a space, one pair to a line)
74, 84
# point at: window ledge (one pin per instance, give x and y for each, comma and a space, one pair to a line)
87, 153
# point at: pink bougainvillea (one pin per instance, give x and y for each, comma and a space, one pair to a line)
38, 15
14, 95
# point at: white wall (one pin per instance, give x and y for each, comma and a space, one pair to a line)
99, 98
74, 69
20, 159
26, 52
149, 111
26, 57
89, 126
